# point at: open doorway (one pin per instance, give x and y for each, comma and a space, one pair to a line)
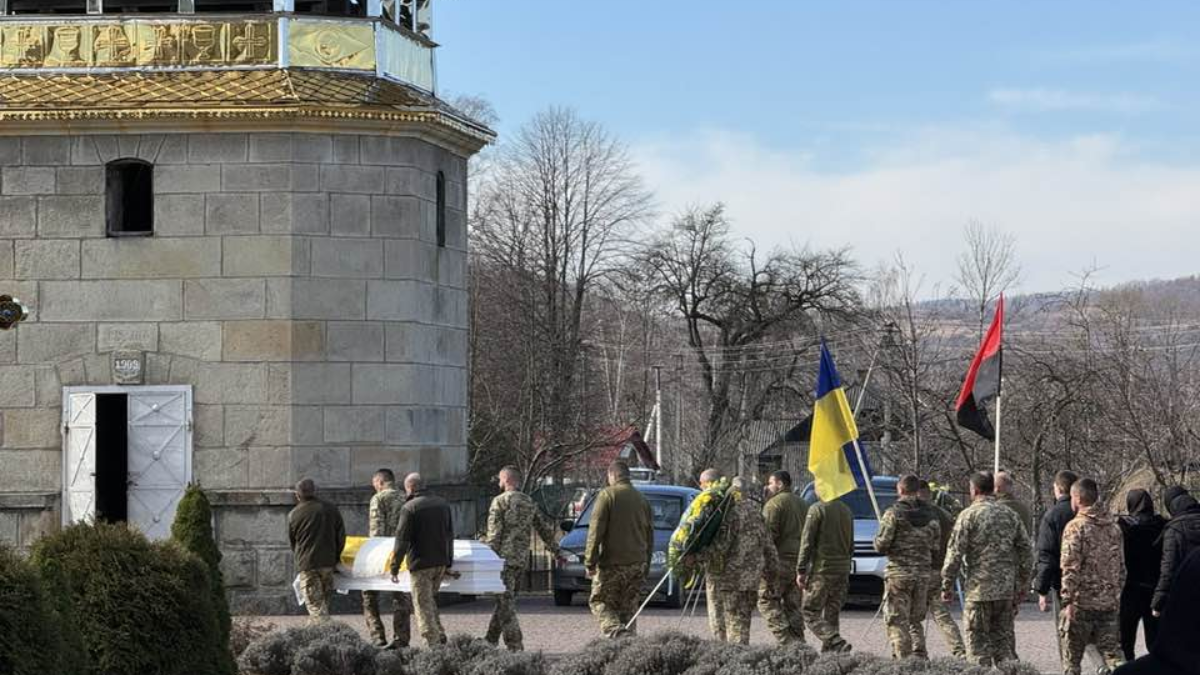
112, 458
127, 454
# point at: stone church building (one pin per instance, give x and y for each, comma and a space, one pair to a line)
240, 231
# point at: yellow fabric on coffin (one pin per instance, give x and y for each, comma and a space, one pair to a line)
350, 552
355, 544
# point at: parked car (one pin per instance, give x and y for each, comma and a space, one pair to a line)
667, 503
866, 574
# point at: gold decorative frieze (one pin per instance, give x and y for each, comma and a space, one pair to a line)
325, 44
137, 43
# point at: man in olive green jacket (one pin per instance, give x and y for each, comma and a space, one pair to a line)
317, 535
617, 556
779, 598
823, 570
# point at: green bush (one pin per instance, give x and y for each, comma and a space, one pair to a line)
596, 655
393, 661
192, 529
452, 658
280, 652
138, 607
507, 663
32, 640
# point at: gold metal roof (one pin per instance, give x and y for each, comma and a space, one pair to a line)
251, 94
124, 69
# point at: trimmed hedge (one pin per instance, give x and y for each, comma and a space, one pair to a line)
332, 648
31, 633
192, 529
138, 607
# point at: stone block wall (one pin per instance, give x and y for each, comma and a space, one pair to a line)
294, 280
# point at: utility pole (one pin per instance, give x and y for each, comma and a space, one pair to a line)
677, 454
658, 454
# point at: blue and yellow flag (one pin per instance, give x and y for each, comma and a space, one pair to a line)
831, 456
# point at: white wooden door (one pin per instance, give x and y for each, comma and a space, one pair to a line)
79, 462
160, 456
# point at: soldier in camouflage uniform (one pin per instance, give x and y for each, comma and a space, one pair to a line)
991, 548
384, 515
910, 536
779, 598
823, 570
512, 519
735, 561
1093, 573
617, 554
941, 613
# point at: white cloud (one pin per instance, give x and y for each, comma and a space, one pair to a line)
1057, 100
1070, 204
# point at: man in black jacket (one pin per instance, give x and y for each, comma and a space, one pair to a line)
1047, 581
317, 535
425, 542
1180, 537
1142, 534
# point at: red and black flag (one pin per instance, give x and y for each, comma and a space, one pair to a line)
983, 381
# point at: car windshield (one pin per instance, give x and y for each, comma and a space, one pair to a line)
666, 509
860, 502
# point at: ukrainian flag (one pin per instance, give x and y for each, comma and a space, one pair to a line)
831, 456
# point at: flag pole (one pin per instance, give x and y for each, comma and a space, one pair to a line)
999, 409
999, 391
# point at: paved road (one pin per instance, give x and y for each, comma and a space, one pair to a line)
556, 630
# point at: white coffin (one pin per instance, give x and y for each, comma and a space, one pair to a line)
478, 566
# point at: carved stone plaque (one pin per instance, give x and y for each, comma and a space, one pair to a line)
127, 367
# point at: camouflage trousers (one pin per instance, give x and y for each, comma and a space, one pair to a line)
402, 610
989, 626
779, 602
425, 584
504, 619
822, 607
905, 600
317, 588
943, 618
729, 613
616, 591
1090, 627
714, 604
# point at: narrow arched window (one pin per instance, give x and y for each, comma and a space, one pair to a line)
129, 191
441, 209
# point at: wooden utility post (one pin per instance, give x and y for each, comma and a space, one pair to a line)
658, 453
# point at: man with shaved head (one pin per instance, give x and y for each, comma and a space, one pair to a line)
620, 542
317, 535
512, 518
1006, 496
425, 544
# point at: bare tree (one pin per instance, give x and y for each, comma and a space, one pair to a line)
987, 268
731, 299
550, 222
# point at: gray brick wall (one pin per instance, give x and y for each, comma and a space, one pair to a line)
293, 279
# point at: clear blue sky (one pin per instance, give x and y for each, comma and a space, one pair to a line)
1075, 118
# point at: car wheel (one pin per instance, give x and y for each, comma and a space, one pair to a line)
563, 598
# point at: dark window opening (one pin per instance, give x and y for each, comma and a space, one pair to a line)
441, 209
129, 190
112, 458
